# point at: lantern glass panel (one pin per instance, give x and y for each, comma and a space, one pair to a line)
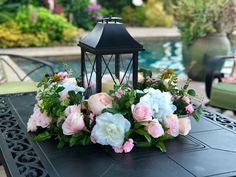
112, 64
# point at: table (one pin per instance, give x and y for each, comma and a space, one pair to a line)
209, 150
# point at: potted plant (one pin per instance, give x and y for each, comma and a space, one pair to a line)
204, 26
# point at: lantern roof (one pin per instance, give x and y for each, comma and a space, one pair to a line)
110, 36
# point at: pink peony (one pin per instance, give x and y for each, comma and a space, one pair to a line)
98, 102
141, 112
128, 145
31, 125
155, 129
172, 123
184, 126
38, 119
74, 121
62, 75
186, 99
189, 109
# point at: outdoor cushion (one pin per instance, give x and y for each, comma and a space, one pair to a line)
16, 87
224, 95
2, 74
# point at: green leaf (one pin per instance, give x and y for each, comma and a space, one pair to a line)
161, 146
85, 140
42, 136
73, 141
165, 137
111, 110
198, 113
192, 92
128, 133
60, 145
143, 144
145, 134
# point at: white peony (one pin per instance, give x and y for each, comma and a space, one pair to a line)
160, 102
110, 129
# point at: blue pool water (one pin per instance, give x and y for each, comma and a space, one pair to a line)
157, 55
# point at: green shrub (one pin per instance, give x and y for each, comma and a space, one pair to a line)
156, 16
115, 6
200, 18
40, 20
78, 13
11, 36
150, 14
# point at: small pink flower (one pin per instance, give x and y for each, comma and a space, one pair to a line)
119, 93
189, 109
91, 118
62, 75
172, 123
118, 149
184, 126
186, 99
155, 129
128, 145
74, 121
141, 112
92, 139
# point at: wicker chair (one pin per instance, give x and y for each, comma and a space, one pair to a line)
221, 94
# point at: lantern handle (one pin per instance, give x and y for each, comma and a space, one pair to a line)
110, 19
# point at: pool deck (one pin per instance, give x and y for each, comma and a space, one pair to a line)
65, 51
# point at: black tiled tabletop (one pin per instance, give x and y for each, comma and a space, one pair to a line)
209, 150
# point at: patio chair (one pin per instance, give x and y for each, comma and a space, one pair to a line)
222, 94
17, 79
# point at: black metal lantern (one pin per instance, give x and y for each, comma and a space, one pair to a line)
107, 42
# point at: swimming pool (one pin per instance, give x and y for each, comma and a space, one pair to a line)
157, 55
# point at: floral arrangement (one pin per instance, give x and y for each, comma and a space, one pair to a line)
122, 118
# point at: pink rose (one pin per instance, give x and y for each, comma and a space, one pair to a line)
141, 112
98, 102
184, 126
128, 145
189, 109
186, 99
62, 75
172, 123
74, 121
155, 129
